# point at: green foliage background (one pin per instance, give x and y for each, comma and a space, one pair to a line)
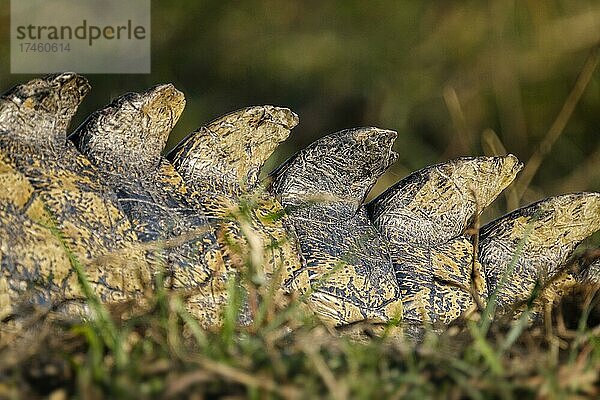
438, 72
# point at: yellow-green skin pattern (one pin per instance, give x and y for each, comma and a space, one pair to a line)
56, 188
348, 264
425, 217
124, 140
34, 262
548, 232
124, 213
92, 225
205, 280
221, 162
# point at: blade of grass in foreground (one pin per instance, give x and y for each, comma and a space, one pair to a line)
490, 309
102, 319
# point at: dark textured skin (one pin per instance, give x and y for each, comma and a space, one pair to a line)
34, 265
57, 202
221, 161
322, 188
124, 140
54, 191
424, 217
550, 230
39, 111
591, 274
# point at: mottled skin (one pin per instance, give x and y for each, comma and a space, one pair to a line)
424, 217
37, 113
322, 188
57, 203
222, 161
591, 274
34, 263
19, 196
54, 188
548, 230
124, 140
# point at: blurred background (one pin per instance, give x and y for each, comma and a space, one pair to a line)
453, 78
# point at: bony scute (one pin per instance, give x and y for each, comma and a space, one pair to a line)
121, 213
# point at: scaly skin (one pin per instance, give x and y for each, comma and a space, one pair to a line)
410, 248
322, 188
221, 161
34, 263
55, 186
549, 231
124, 140
424, 217
38, 113
591, 274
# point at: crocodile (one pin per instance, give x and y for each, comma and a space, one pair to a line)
108, 200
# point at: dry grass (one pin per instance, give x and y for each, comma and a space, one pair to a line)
161, 352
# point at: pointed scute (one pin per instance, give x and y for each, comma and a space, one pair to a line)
231, 150
131, 132
348, 264
548, 232
340, 167
435, 204
40, 110
35, 114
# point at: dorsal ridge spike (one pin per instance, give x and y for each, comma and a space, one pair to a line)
39, 111
340, 167
232, 149
131, 132
437, 203
548, 231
